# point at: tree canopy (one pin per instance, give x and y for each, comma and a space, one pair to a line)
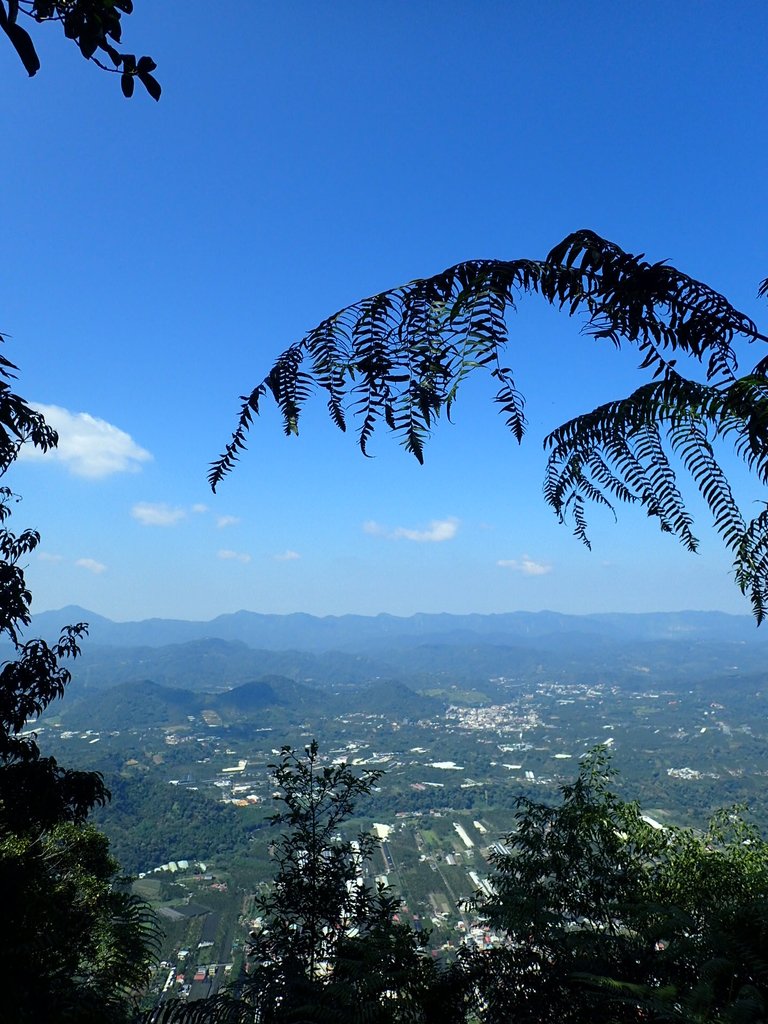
95, 26
607, 916
74, 943
327, 945
399, 358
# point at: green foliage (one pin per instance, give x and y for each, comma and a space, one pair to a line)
94, 25
326, 946
565, 894
73, 943
35, 792
606, 918
315, 895
713, 889
321, 923
400, 357
149, 823
78, 942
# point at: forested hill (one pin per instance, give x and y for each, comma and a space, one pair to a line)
273, 699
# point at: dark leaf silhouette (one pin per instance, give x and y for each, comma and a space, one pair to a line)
22, 43
93, 25
399, 358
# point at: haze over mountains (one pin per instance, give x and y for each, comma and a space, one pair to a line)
164, 700
304, 632
424, 652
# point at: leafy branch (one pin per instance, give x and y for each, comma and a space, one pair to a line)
399, 358
94, 25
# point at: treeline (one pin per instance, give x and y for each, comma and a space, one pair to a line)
149, 823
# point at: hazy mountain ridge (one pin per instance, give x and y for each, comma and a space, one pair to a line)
217, 665
214, 664
426, 652
356, 633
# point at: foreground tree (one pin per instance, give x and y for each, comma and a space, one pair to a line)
568, 893
76, 943
326, 946
605, 917
318, 891
73, 942
713, 891
400, 357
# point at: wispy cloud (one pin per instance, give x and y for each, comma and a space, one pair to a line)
287, 556
199, 508
88, 446
46, 556
525, 565
234, 556
222, 521
157, 513
91, 565
437, 530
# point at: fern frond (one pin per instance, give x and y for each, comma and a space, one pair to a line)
218, 1009
689, 440
663, 498
751, 564
400, 357
228, 459
458, 318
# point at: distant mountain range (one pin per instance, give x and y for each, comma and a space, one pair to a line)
368, 634
443, 655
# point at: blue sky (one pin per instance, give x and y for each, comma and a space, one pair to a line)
159, 256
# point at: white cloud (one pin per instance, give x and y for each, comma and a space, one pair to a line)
438, 530
369, 526
88, 446
199, 508
157, 513
287, 556
46, 556
234, 556
222, 521
526, 565
91, 565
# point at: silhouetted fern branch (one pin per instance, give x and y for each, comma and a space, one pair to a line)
401, 356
